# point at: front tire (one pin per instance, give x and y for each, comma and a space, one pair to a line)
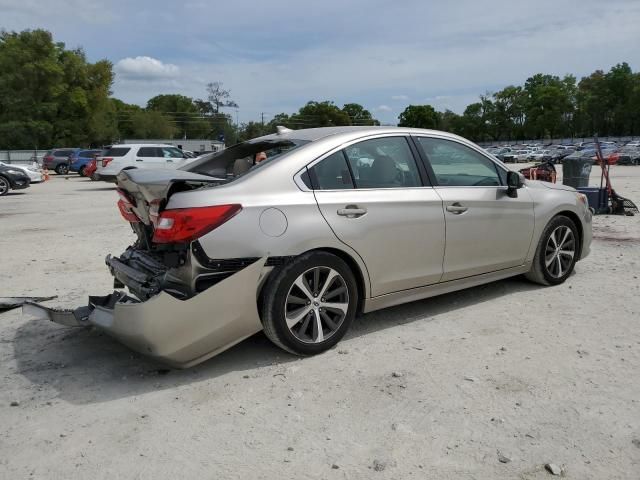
309, 303
557, 252
5, 186
81, 171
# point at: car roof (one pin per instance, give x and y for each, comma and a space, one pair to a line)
313, 134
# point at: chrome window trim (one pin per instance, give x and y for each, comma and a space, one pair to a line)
297, 178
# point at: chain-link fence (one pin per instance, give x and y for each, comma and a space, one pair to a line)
22, 156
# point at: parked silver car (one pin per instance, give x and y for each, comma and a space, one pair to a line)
335, 222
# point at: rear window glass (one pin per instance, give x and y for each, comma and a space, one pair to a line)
242, 158
116, 152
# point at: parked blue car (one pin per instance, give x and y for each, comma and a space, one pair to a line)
78, 160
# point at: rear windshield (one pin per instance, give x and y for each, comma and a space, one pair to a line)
235, 161
116, 152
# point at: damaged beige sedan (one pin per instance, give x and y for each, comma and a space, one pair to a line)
297, 232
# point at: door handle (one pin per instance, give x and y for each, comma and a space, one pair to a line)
351, 211
169, 160
456, 208
138, 160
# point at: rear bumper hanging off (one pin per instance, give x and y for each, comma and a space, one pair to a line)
180, 333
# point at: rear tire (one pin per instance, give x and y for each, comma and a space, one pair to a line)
557, 252
62, 169
309, 303
81, 171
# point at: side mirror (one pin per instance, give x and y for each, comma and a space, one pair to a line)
515, 181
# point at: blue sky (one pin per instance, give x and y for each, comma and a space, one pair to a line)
275, 55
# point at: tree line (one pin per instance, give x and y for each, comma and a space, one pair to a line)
52, 96
546, 106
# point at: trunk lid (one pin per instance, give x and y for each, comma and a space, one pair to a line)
152, 188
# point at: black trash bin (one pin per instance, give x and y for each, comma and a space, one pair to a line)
576, 170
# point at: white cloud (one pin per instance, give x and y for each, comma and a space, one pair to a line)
383, 108
403, 98
145, 68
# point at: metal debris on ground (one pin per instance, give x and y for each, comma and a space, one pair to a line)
9, 303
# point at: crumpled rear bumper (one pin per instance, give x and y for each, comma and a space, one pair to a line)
181, 333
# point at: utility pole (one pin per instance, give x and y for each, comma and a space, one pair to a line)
262, 118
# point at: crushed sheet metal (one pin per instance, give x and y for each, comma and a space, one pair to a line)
180, 333
8, 303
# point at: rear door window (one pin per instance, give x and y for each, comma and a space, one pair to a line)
383, 163
116, 152
149, 152
332, 173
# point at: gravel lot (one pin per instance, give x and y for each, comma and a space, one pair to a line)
491, 382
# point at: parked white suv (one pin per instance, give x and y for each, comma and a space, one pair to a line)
137, 155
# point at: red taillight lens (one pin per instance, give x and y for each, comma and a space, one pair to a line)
106, 161
187, 224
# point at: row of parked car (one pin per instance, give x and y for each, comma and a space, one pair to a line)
17, 177
105, 163
614, 153
97, 164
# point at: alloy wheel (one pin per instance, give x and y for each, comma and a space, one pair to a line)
316, 304
4, 186
560, 251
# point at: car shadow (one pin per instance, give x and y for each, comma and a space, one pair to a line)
99, 189
14, 194
85, 366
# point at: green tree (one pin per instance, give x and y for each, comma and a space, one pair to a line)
251, 130
319, 114
51, 96
189, 121
358, 115
151, 124
548, 103
419, 116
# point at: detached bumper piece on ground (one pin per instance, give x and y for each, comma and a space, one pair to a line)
180, 333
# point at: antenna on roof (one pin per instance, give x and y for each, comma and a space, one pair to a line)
282, 130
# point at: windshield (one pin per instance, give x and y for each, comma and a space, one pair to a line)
239, 159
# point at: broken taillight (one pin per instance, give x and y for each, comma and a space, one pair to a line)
125, 205
186, 224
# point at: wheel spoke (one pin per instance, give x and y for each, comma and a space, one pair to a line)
316, 281
549, 260
328, 321
566, 253
328, 282
333, 293
296, 300
553, 239
298, 315
566, 235
336, 307
301, 283
559, 263
318, 334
